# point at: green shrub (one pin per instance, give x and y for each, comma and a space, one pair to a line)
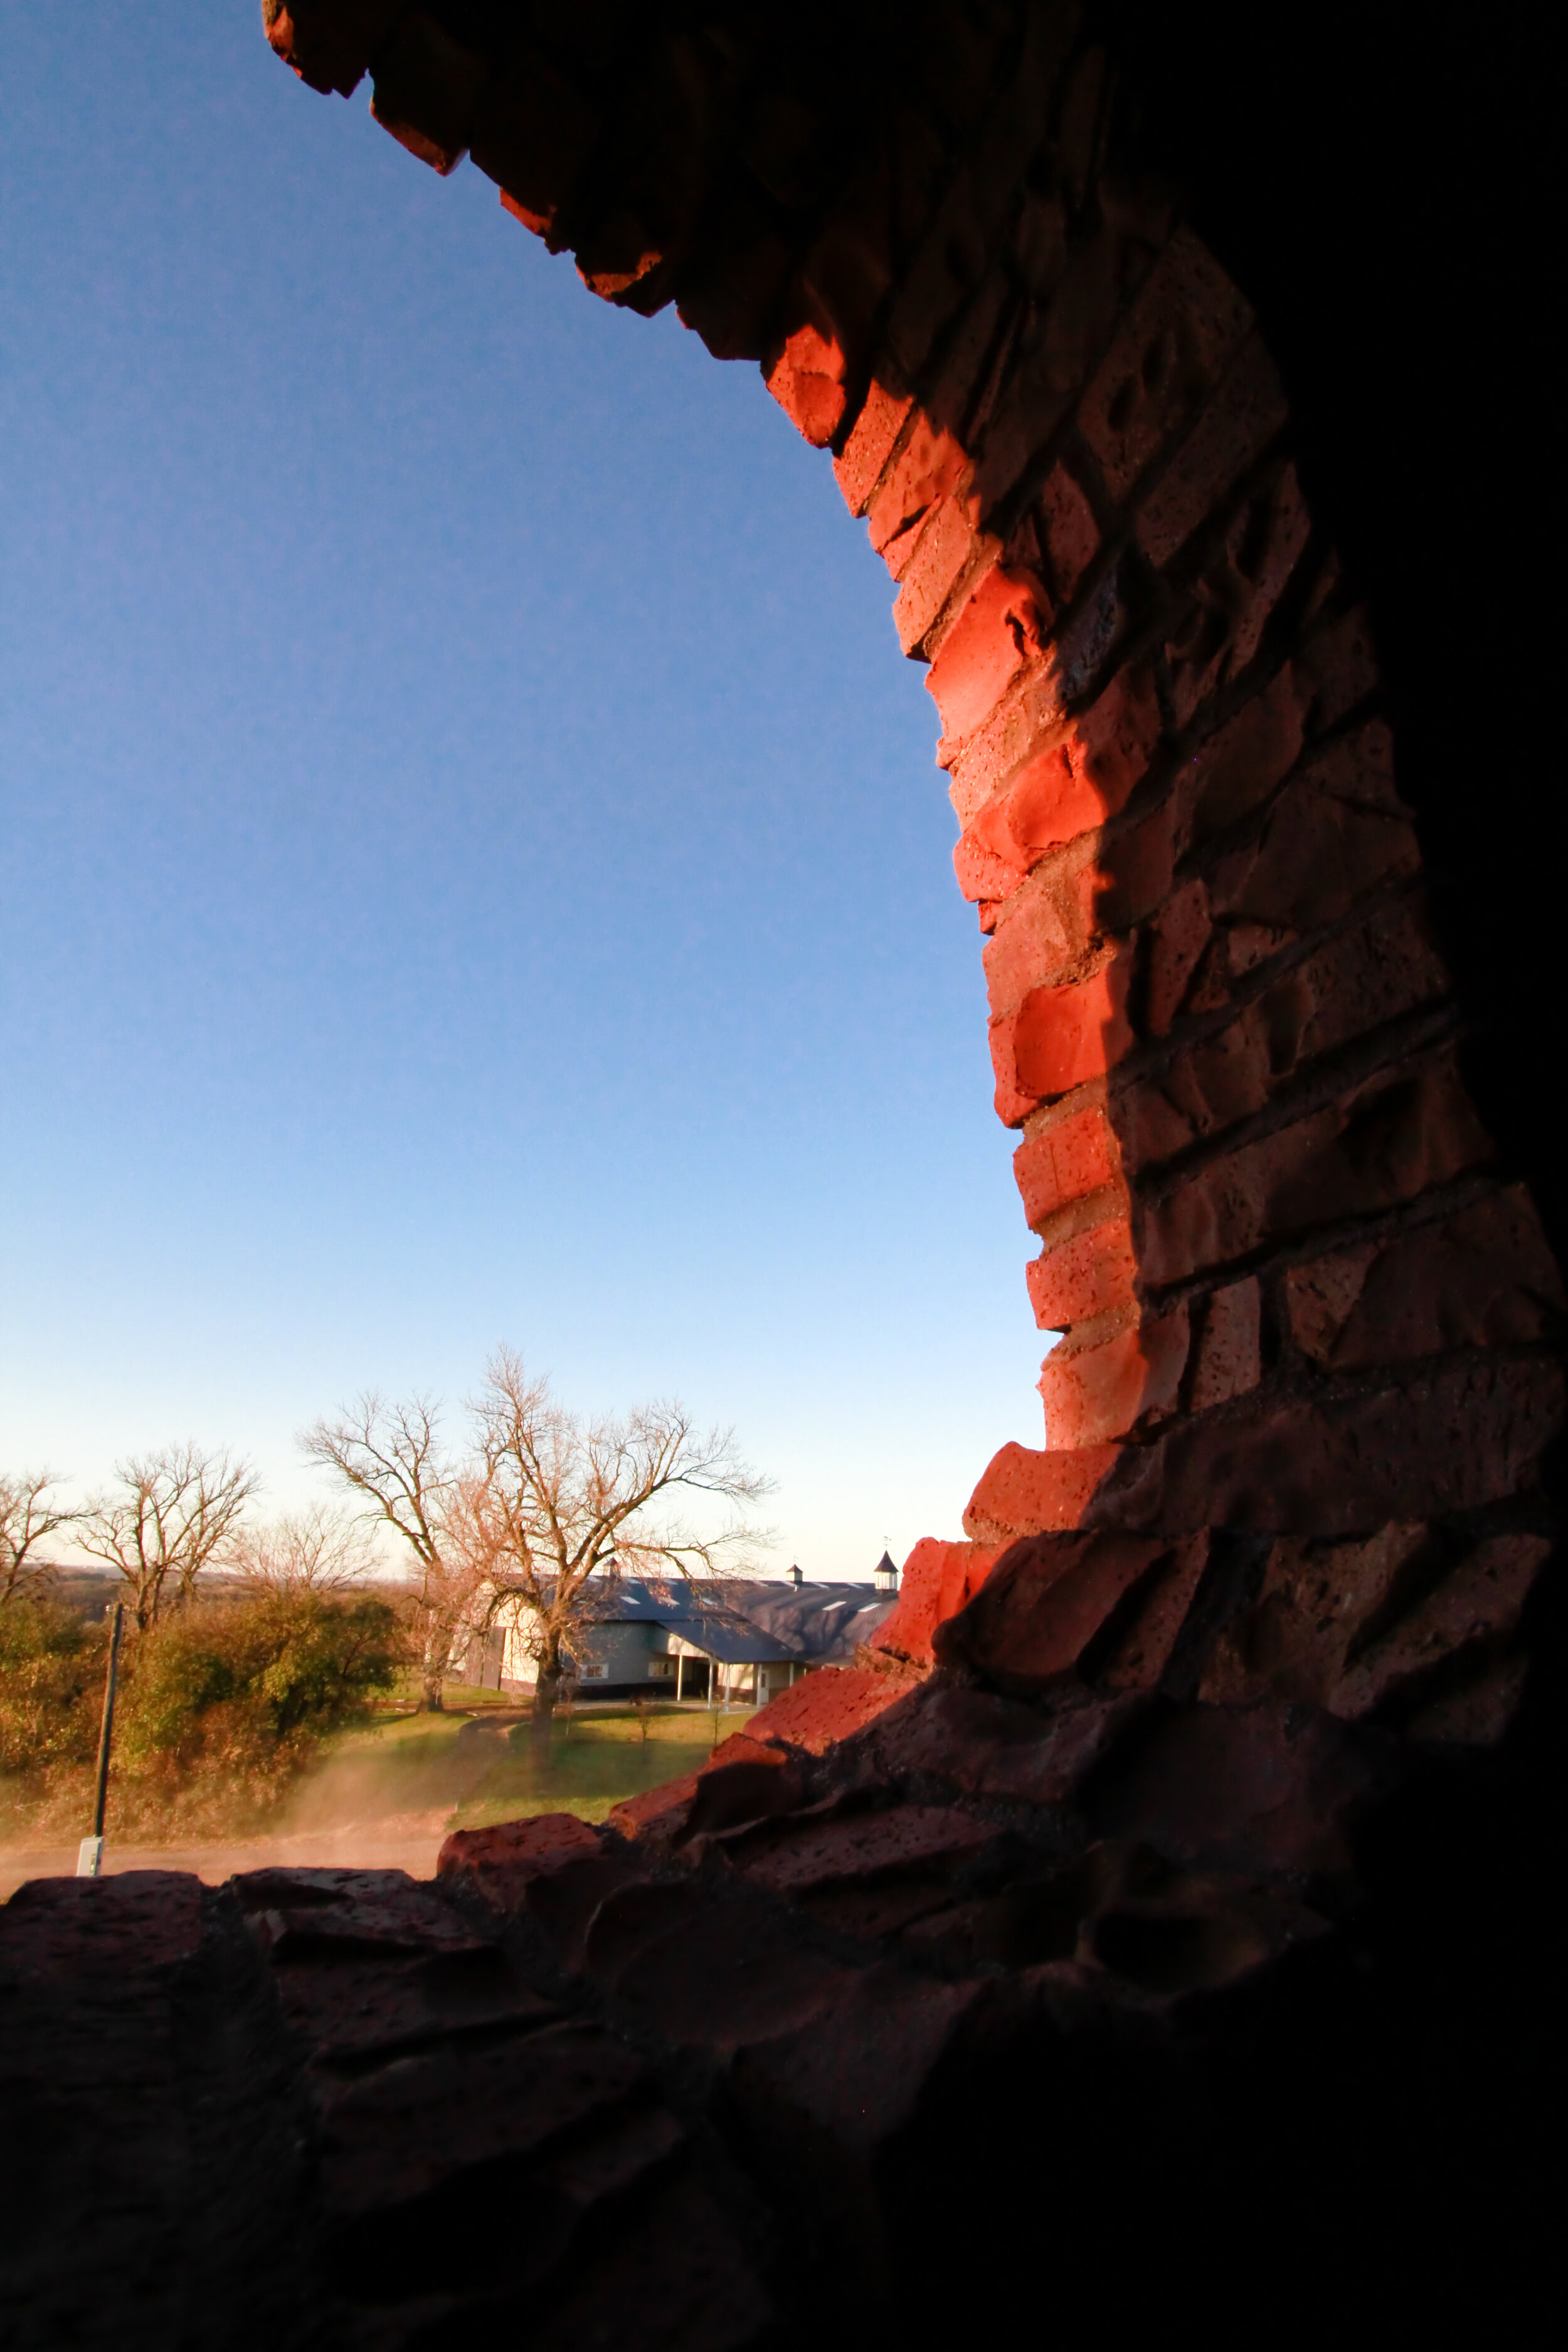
51, 1684
222, 1705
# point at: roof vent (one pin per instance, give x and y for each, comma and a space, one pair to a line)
887, 1575
796, 1577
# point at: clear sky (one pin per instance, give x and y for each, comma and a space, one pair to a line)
473, 864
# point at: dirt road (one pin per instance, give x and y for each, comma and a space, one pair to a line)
395, 1841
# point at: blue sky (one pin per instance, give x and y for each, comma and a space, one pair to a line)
474, 867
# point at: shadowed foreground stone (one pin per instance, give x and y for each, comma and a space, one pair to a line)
949, 2012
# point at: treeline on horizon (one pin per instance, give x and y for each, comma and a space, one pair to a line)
248, 1643
246, 1646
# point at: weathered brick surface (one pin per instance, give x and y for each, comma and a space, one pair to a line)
1285, 1538
1453, 1437
1023, 1492
1084, 1276
1060, 1036
1242, 417
1269, 1788
1067, 1160
934, 1583
1103, 1387
1391, 1138
1179, 331
1481, 1278
1042, 1606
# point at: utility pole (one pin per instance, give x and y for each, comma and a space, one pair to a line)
90, 1854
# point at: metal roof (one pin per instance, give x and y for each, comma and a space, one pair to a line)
746, 1620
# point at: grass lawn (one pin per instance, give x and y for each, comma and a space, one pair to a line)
597, 1757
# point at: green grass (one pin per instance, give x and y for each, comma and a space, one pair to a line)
409, 1763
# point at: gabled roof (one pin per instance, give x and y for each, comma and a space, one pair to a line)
746, 1620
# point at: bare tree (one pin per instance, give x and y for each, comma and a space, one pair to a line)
27, 1521
391, 1456
174, 1512
315, 1550
564, 1499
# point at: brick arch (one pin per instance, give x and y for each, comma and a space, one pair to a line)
1134, 1934
1298, 1306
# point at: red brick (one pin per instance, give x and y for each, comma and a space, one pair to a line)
442, 2116
499, 1863
1101, 1391
963, 384
1228, 1359
860, 1846
1042, 1605
1245, 413
1152, 1125
947, 547
1138, 867
1484, 1278
1389, 1139
936, 1581
730, 293
670, 2249
950, 263
1140, 1655
1047, 928
980, 762
745, 1781
1182, 931
532, 134
1063, 1161
330, 45
929, 467
1084, 1276
1315, 1602
1256, 1787
657, 1815
845, 278
986, 1746
305, 1914
1238, 768
870, 445
1338, 666
1186, 322
1319, 851
1367, 976
984, 878
1450, 1438
998, 632
837, 2089
1084, 777
1225, 1079
808, 382
1478, 1712
823, 1708
1353, 985
1358, 768
1069, 535
1024, 1493
1474, 1606
1058, 1037
1051, 364
1235, 593
134, 1923
709, 1977
427, 93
